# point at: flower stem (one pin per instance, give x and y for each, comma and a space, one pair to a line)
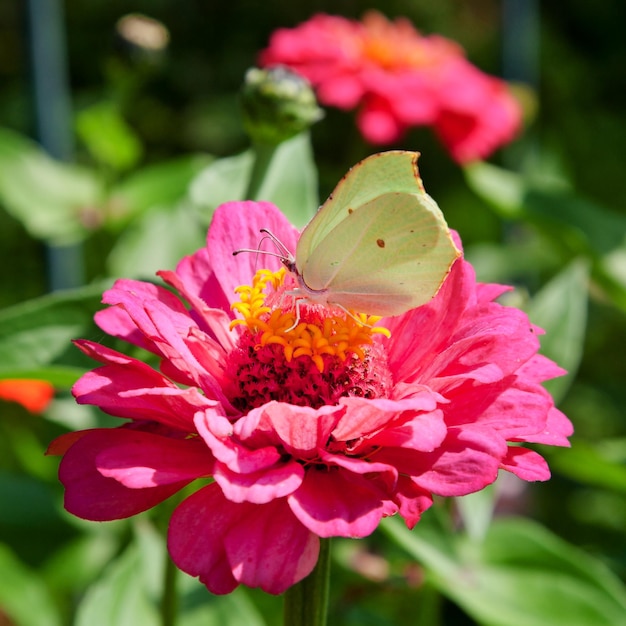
263, 155
306, 603
169, 600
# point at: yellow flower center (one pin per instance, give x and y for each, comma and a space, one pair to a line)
318, 332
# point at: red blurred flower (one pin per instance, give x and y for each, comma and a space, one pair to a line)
33, 395
313, 432
400, 79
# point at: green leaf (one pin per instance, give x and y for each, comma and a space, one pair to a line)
601, 464
164, 184
107, 137
290, 183
24, 597
47, 196
560, 308
27, 504
79, 562
119, 597
586, 225
200, 608
34, 333
501, 188
156, 241
60, 376
521, 575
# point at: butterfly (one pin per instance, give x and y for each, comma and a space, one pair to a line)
379, 245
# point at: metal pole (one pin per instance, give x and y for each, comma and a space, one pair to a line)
53, 118
520, 42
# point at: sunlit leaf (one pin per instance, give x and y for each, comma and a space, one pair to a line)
119, 597
78, 562
520, 575
107, 136
24, 597
34, 333
595, 228
501, 188
50, 198
163, 184
560, 308
290, 183
600, 464
60, 376
156, 241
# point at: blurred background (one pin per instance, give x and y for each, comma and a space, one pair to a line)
169, 94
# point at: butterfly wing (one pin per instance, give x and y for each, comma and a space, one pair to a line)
387, 256
393, 171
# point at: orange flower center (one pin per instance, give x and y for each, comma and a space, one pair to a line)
398, 45
318, 333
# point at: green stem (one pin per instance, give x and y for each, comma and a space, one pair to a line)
263, 155
169, 600
306, 603
428, 606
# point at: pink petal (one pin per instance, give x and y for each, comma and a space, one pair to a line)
412, 501
420, 334
385, 476
378, 124
143, 460
557, 429
270, 549
92, 496
540, 368
526, 464
467, 461
300, 430
424, 432
513, 407
237, 225
217, 433
60, 445
367, 417
195, 279
213, 321
196, 534
337, 503
259, 487
489, 292
226, 544
136, 391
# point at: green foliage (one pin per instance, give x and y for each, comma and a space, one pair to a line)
107, 137
560, 308
48, 197
290, 181
24, 597
158, 151
35, 334
520, 574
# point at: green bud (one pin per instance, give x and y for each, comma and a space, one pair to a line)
277, 104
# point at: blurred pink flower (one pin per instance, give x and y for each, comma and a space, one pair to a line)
399, 79
298, 434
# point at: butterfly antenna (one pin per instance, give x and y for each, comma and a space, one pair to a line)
283, 252
286, 254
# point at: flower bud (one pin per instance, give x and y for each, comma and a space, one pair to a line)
277, 104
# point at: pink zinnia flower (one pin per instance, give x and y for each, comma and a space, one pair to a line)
399, 78
314, 432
